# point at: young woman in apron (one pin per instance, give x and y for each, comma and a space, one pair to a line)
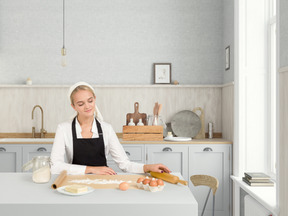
87, 140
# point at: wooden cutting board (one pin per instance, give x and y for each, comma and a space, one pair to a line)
136, 115
201, 134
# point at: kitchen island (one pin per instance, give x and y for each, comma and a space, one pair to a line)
21, 196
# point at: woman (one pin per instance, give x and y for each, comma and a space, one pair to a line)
87, 140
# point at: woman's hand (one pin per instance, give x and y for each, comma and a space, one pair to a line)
160, 168
103, 170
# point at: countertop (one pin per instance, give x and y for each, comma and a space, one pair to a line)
20, 194
50, 141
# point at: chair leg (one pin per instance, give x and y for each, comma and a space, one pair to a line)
206, 202
213, 205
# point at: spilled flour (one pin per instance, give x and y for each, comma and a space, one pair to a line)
98, 181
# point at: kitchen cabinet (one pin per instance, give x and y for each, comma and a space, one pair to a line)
135, 153
13, 157
10, 158
30, 151
173, 156
213, 160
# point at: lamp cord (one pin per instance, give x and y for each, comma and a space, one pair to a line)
63, 23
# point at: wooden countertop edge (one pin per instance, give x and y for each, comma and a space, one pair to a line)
215, 140
52, 135
25, 135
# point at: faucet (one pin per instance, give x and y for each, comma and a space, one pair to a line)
42, 131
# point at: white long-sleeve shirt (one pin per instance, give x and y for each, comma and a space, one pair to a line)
63, 144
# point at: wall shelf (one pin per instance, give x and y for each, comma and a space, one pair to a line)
117, 86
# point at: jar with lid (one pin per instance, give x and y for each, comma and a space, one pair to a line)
41, 169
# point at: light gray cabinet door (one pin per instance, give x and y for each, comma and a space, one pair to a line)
33, 150
213, 160
175, 157
10, 158
135, 153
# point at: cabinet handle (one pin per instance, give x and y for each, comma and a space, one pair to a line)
127, 153
167, 149
42, 149
207, 149
2, 149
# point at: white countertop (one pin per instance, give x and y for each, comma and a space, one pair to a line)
18, 189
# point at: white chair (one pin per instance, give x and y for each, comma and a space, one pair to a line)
206, 180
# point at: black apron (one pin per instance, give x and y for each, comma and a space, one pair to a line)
90, 151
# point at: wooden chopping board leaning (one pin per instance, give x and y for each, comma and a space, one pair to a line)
136, 115
201, 134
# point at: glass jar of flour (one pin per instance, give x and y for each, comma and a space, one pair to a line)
41, 169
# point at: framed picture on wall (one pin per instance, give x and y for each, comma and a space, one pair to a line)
162, 73
227, 58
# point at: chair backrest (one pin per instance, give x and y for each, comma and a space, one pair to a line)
206, 180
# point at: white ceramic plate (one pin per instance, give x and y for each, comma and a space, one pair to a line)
178, 139
62, 190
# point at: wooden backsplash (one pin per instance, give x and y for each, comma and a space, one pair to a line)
114, 103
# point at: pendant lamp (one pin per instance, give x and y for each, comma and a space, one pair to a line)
63, 50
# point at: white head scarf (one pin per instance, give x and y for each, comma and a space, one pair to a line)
97, 112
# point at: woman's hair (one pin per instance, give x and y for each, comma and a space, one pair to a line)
80, 87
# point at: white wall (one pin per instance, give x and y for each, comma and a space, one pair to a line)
283, 107
283, 140
111, 41
283, 33
228, 39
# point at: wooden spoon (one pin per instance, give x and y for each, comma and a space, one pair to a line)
159, 109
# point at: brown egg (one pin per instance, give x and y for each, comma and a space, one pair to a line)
124, 186
146, 181
140, 180
160, 182
153, 183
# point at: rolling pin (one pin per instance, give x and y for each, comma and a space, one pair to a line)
168, 177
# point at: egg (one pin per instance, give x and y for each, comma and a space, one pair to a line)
140, 180
146, 181
160, 182
153, 183
124, 186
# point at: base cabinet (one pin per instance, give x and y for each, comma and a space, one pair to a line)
13, 157
10, 158
173, 156
135, 153
213, 160
30, 151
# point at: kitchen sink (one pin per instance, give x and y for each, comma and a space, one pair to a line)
30, 140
